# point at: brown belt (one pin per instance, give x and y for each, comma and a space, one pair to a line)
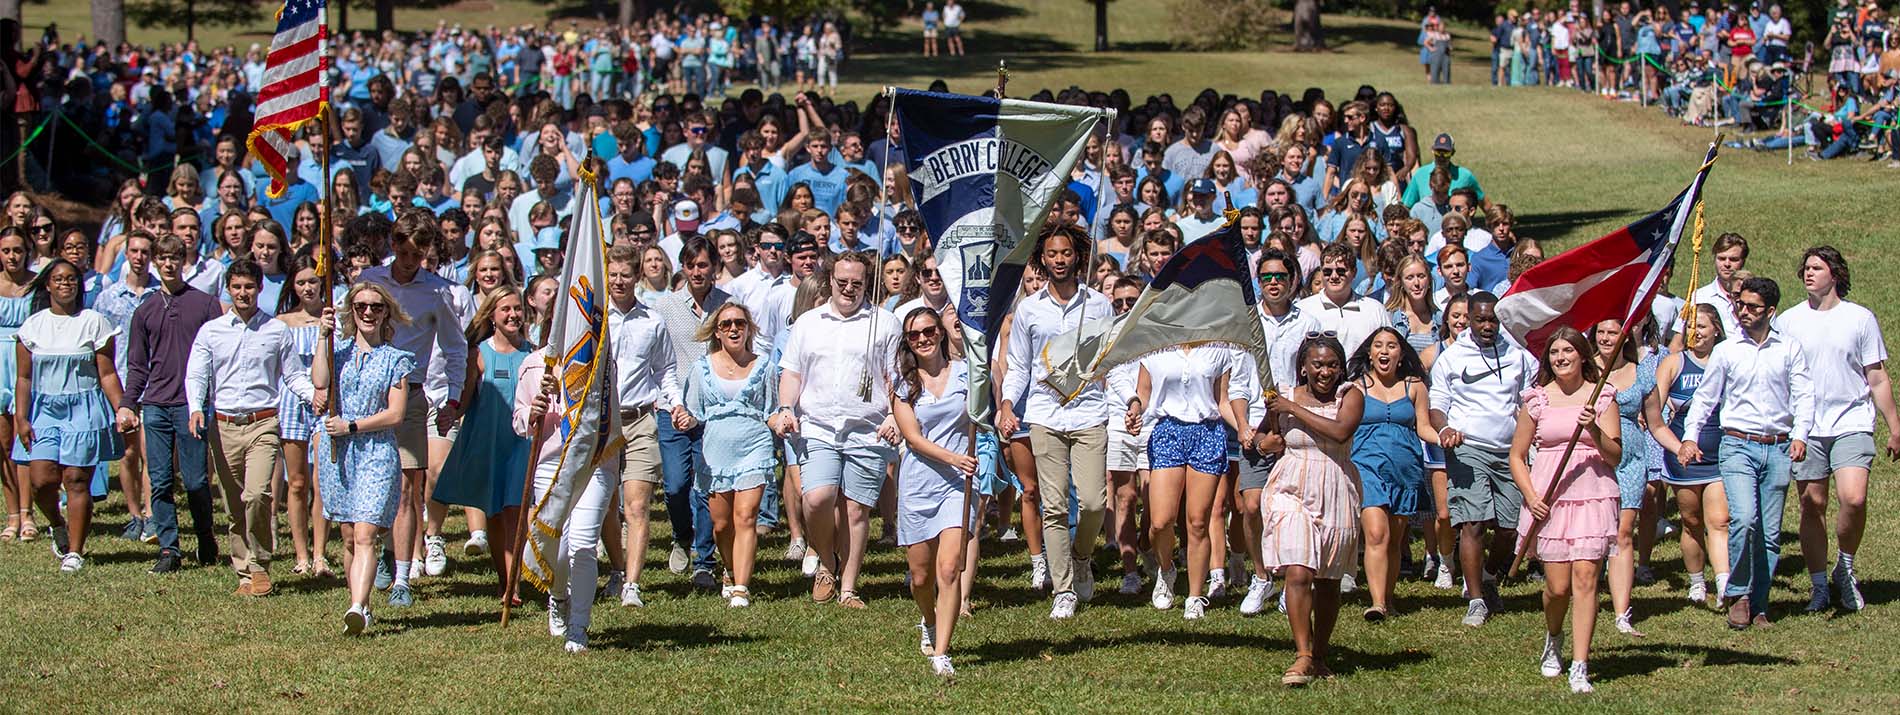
246, 419
1757, 438
629, 414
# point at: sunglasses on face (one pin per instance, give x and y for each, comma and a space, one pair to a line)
909, 228
772, 246
734, 324
1276, 277
1750, 307
368, 308
1125, 303
1335, 272
842, 283
920, 335
928, 274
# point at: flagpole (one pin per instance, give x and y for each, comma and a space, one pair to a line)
326, 259
1002, 77
969, 490
511, 572
1550, 490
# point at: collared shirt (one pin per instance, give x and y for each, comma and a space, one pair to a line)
435, 386
1763, 388
835, 356
1039, 319
117, 301
432, 323
683, 317
771, 307
206, 275
241, 365
1354, 321
160, 339
643, 358
1284, 333
1713, 294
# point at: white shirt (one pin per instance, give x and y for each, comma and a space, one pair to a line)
242, 365
1194, 229
1762, 388
1039, 319
1713, 295
432, 323
771, 308
833, 355
436, 386
952, 15
1840, 343
206, 275
921, 302
1475, 240
1181, 382
1354, 321
643, 358
1284, 334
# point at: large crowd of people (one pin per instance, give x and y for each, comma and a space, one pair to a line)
788, 360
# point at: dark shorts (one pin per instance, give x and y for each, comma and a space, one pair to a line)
1481, 489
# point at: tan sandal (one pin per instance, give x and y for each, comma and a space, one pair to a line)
28, 531
1297, 678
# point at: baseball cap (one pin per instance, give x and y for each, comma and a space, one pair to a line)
685, 215
801, 243
547, 239
1443, 143
1201, 186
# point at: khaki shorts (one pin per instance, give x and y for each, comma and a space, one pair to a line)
640, 461
412, 435
454, 428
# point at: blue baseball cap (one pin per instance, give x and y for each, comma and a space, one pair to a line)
547, 239
1202, 186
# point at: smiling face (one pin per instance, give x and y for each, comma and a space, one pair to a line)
924, 335
1605, 335
847, 286
1384, 352
1322, 368
733, 329
1564, 360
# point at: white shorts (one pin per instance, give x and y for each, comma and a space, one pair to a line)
1126, 452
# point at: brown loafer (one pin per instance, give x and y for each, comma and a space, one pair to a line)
1761, 621
261, 585
824, 586
1738, 613
243, 588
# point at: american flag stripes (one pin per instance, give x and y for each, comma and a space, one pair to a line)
294, 92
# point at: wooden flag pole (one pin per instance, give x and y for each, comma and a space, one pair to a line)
969, 490
1002, 77
511, 575
1550, 491
327, 271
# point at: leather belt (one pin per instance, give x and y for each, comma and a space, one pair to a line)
246, 419
1756, 438
629, 414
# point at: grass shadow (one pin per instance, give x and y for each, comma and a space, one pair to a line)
1036, 648
1638, 659
1565, 221
668, 636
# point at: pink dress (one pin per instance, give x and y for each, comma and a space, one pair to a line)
1310, 510
1582, 523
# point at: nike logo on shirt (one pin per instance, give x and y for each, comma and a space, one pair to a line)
1470, 378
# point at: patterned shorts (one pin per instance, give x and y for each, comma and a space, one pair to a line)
1200, 446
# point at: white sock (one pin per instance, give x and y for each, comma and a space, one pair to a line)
1819, 578
402, 573
1216, 575
1846, 561
1039, 559
1696, 579
478, 534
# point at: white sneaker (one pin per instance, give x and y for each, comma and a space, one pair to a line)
477, 544
678, 559
927, 640
1010, 535
795, 551
1196, 608
1038, 572
437, 559
72, 562
810, 566
1848, 588
1084, 580
1431, 568
1443, 581
1163, 598
1551, 665
940, 666
557, 617
1216, 584
1580, 678
739, 600
1064, 607
1625, 623
1131, 584
574, 647
1282, 602
1258, 591
355, 621
630, 596
1721, 588
1476, 613
1664, 528
1348, 583
1698, 592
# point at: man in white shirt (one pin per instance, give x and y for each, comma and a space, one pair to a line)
1336, 308
433, 325
648, 379
1285, 327
756, 289
836, 372
1847, 365
931, 292
1761, 382
1731, 255
1070, 439
1475, 393
239, 362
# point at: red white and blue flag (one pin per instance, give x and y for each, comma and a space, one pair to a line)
293, 93
1616, 276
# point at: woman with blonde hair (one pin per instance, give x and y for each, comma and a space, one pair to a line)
485, 468
185, 188
1354, 200
730, 391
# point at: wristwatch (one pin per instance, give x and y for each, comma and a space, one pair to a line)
352, 426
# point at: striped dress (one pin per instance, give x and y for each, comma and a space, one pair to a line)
295, 419
1310, 509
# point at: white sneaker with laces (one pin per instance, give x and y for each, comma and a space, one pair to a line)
557, 618
1131, 584
1038, 572
355, 620
927, 641
1163, 598
630, 596
1009, 535
1084, 580
72, 562
1216, 584
1580, 678
1551, 665
476, 545
1698, 592
1847, 587
1476, 613
810, 565
437, 559
1258, 591
1443, 581
795, 551
940, 666
574, 647
1196, 608
1626, 623
1064, 607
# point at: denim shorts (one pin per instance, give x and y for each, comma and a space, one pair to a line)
856, 471
1200, 446
1828, 454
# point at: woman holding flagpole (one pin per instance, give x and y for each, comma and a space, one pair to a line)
930, 406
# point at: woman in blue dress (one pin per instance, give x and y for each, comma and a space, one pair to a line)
1386, 449
63, 395
1631, 372
359, 488
269, 247
488, 463
16, 303
299, 309
930, 409
1698, 485
731, 391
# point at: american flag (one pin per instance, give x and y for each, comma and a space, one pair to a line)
1615, 276
294, 92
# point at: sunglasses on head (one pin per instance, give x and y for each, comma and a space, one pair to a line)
1322, 334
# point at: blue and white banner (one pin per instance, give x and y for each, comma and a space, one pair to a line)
985, 172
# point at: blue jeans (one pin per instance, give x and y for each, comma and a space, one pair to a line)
681, 456
772, 501
169, 444
1755, 477
1847, 143
1497, 60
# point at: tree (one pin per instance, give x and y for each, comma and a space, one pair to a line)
385, 15
1306, 34
108, 21
188, 14
1101, 25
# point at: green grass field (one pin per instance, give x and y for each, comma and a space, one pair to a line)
1573, 167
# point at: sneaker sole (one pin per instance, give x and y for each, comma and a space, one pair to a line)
354, 623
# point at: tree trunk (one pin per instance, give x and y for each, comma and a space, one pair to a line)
108, 21
1306, 34
1101, 25
191, 19
626, 12
10, 10
385, 15
342, 19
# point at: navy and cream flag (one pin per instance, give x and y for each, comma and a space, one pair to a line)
984, 172
578, 353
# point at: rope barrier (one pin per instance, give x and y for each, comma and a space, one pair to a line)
24, 143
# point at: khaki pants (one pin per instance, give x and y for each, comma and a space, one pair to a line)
1064, 458
243, 457
640, 461
412, 435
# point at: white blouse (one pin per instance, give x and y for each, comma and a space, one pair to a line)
1181, 382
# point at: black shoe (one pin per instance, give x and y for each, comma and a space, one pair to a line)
207, 551
167, 563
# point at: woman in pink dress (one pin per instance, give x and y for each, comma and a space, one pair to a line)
1579, 521
1310, 508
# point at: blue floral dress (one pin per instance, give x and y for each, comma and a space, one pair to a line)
1632, 473
362, 485
738, 444
295, 420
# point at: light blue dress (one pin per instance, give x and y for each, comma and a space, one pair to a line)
1632, 473
738, 445
1385, 448
930, 493
486, 466
363, 484
13, 313
296, 422
72, 421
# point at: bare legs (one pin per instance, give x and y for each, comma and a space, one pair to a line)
933, 568
735, 517
1127, 491
1566, 583
1385, 537
635, 495
132, 479
1022, 461
1623, 562
1312, 609
308, 531
1704, 510
49, 478
361, 572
